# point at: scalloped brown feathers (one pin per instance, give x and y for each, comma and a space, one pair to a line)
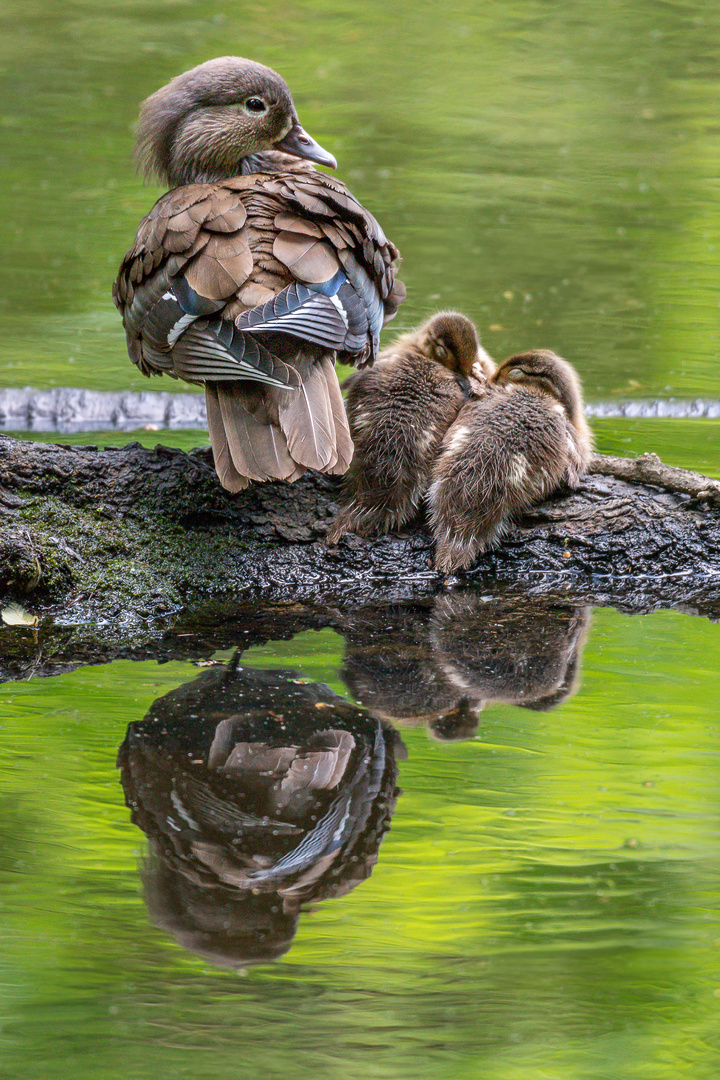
253, 283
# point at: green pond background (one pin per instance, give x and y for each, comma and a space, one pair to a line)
549, 168
545, 906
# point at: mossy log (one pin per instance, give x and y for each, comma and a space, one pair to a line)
122, 538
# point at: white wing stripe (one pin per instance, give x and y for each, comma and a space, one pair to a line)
180, 325
336, 301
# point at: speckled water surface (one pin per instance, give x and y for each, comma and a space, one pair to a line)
526, 883
514, 874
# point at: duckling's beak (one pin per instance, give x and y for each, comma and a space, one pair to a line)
298, 143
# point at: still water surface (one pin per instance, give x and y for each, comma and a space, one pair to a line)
545, 900
550, 169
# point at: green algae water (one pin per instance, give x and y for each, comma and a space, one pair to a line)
549, 169
523, 879
539, 896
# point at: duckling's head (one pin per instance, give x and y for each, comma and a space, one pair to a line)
451, 340
457, 724
205, 123
547, 373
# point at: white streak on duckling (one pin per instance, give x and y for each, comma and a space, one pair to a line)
518, 469
459, 437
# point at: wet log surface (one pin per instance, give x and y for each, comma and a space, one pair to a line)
117, 543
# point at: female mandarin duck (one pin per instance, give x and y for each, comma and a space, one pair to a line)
505, 452
254, 272
399, 412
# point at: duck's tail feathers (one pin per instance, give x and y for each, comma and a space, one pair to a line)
228, 475
306, 416
247, 444
267, 433
343, 440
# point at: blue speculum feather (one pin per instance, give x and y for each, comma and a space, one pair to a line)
330, 288
340, 314
191, 302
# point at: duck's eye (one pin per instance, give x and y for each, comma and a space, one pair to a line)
441, 352
514, 373
256, 105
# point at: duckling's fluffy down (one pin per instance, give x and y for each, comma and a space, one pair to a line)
398, 412
504, 453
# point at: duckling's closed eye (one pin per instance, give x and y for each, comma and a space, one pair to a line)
440, 351
515, 373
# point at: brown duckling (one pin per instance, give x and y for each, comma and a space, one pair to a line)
505, 452
398, 413
254, 272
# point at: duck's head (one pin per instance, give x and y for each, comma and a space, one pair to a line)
206, 122
547, 373
451, 340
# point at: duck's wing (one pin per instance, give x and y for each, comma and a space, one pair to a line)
322, 217
222, 275
253, 286
190, 256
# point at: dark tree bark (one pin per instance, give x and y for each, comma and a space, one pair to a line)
122, 538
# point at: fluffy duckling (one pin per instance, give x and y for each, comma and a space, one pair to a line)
254, 272
505, 452
398, 413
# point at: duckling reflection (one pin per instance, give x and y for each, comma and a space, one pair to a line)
390, 669
259, 793
517, 652
442, 665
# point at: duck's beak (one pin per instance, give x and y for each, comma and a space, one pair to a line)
298, 143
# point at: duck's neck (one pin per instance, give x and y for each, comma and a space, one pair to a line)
271, 161
266, 161
191, 172
255, 163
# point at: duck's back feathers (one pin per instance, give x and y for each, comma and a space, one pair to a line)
235, 250
252, 285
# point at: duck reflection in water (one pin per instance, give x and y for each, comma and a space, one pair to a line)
442, 665
259, 794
